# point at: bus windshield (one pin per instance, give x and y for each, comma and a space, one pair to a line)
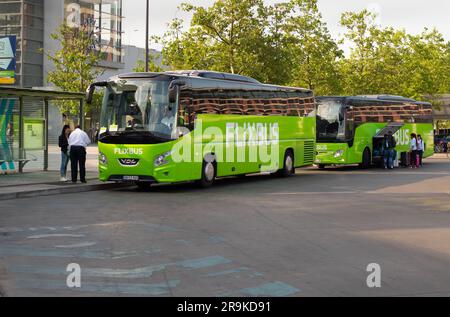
330, 120
133, 106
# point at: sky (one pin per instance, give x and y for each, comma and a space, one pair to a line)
412, 15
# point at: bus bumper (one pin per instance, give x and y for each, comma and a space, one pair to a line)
331, 154
138, 163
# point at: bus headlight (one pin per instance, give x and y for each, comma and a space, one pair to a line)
338, 153
161, 160
102, 159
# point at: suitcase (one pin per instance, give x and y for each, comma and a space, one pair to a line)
405, 159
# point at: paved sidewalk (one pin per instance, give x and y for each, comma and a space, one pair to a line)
38, 178
34, 182
47, 183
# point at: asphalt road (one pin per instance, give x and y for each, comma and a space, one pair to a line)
309, 235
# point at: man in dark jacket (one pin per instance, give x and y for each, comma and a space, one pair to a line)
64, 145
389, 144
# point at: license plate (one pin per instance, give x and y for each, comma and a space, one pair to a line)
131, 178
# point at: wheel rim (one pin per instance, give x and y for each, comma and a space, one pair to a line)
209, 172
289, 163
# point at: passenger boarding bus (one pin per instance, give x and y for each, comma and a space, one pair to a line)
184, 126
350, 129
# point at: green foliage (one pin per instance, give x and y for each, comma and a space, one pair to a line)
152, 66
281, 44
314, 54
289, 44
388, 61
75, 65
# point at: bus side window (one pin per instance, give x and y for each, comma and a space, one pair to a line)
349, 123
256, 107
293, 104
184, 109
282, 102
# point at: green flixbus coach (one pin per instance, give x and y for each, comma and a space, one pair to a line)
185, 126
350, 129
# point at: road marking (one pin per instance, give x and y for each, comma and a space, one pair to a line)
77, 245
275, 289
79, 227
12, 250
103, 287
228, 272
142, 272
204, 262
45, 236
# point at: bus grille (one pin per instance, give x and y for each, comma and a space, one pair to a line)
309, 152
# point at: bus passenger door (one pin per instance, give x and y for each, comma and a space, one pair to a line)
349, 126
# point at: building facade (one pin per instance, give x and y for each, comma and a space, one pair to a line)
33, 21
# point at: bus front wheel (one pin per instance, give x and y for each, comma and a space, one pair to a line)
288, 165
209, 172
366, 159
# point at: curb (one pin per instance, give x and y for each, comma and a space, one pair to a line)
64, 190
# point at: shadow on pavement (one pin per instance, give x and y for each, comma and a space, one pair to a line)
344, 179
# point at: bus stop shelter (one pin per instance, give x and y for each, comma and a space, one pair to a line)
24, 123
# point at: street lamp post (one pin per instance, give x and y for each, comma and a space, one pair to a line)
146, 37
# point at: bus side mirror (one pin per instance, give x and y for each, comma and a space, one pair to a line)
90, 94
174, 89
91, 89
173, 93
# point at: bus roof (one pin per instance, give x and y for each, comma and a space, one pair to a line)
378, 98
210, 79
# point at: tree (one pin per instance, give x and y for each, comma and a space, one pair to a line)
75, 64
358, 68
314, 54
389, 61
427, 64
284, 44
228, 36
232, 25
152, 66
289, 44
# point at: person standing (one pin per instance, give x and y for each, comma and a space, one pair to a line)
413, 147
78, 141
389, 145
421, 149
64, 145
385, 151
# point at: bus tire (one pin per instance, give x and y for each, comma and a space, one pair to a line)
366, 159
144, 185
321, 166
209, 173
288, 165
